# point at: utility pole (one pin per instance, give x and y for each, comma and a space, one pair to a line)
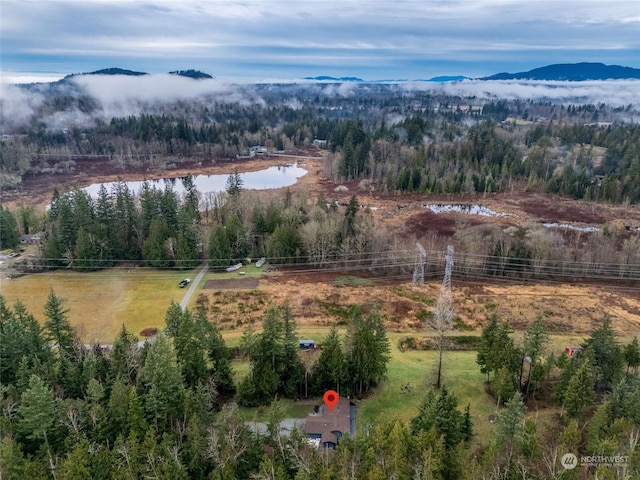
443, 315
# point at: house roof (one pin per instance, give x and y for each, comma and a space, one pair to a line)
326, 423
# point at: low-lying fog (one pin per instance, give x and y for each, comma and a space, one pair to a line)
120, 95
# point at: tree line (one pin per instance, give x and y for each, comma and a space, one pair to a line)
422, 143
159, 228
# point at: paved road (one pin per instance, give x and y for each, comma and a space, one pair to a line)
193, 286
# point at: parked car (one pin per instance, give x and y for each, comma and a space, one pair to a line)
184, 283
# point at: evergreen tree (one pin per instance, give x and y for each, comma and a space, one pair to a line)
349, 228
20, 340
438, 413
156, 251
219, 247
12, 461
487, 339
292, 372
497, 349
218, 353
150, 206
123, 360
162, 381
190, 350
266, 357
234, 184
367, 350
173, 320
535, 340
57, 328
606, 355
76, 465
9, 236
331, 370
85, 253
106, 228
286, 245
82, 210
129, 234
579, 392
632, 355
117, 412
510, 429
37, 410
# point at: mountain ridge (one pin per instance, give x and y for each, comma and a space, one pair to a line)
571, 72
582, 71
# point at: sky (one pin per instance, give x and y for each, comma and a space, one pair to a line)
258, 39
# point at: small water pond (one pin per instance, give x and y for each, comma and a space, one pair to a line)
568, 226
272, 177
469, 209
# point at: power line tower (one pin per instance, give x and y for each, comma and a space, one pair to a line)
445, 291
418, 271
443, 316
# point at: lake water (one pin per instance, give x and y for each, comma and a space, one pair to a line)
272, 177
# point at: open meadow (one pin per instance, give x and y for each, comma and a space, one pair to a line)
99, 303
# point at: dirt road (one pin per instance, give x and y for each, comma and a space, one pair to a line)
193, 286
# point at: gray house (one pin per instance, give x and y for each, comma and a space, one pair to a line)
327, 428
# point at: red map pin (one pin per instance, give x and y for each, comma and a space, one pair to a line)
330, 399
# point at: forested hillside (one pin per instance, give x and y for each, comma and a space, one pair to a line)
400, 141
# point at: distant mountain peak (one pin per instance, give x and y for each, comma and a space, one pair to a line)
448, 78
195, 74
571, 72
324, 78
116, 71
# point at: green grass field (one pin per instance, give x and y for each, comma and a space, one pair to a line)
100, 302
461, 375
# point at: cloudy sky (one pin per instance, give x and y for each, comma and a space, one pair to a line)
371, 39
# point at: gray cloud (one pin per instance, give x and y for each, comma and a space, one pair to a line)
377, 36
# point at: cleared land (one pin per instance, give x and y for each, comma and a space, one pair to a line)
100, 302
231, 284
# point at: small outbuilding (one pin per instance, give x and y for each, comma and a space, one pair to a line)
572, 350
307, 344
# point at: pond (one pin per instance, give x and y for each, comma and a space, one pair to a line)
568, 226
273, 177
480, 210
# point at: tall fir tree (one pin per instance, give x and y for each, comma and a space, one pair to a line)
162, 382
331, 370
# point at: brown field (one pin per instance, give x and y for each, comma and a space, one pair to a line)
574, 310
231, 284
318, 299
